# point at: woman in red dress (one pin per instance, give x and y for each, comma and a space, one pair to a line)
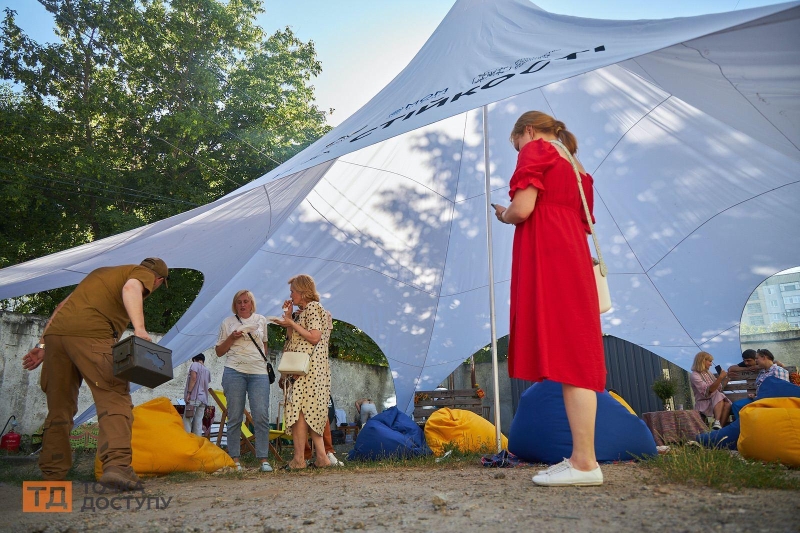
555, 323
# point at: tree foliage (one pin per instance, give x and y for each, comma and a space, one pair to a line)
747, 329
142, 110
347, 342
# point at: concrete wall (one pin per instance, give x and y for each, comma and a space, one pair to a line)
483, 375
20, 394
784, 345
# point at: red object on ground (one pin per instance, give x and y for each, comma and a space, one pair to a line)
10, 441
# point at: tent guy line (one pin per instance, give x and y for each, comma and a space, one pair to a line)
746, 200
735, 88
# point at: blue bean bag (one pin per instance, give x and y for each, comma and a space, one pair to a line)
390, 434
540, 431
773, 387
728, 437
725, 438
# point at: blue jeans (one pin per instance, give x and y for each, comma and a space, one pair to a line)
235, 385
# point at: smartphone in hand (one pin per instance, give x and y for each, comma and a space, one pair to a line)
718, 369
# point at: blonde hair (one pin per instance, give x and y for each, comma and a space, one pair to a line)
249, 295
699, 359
304, 284
544, 123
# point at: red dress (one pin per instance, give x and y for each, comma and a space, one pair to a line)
555, 323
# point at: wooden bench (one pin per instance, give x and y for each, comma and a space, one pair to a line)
427, 402
745, 384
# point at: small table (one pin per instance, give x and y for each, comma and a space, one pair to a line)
350, 429
674, 426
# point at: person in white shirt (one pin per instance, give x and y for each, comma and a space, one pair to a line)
240, 338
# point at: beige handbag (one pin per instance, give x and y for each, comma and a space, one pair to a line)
294, 363
600, 268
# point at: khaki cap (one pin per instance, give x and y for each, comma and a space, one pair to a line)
158, 266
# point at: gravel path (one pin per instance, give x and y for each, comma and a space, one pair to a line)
462, 497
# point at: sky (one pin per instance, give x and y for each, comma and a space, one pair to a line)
364, 44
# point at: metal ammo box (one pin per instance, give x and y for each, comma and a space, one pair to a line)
142, 362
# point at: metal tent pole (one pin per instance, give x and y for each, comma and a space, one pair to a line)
495, 375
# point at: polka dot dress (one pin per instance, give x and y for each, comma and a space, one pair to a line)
310, 393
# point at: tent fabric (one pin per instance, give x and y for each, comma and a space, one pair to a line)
157, 422
770, 431
391, 433
467, 431
540, 430
689, 126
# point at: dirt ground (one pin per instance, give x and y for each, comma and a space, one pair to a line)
458, 496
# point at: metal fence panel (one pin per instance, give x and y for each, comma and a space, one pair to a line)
631, 372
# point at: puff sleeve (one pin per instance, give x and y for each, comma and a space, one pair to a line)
588, 191
533, 161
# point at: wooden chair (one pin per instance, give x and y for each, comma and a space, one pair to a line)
248, 439
427, 402
280, 422
745, 383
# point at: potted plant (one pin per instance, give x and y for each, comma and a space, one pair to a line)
664, 389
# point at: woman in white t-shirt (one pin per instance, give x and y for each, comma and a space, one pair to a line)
245, 374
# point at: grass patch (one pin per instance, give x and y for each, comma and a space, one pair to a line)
16, 471
721, 469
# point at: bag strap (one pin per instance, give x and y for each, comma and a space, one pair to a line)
603, 267
264, 357
196, 388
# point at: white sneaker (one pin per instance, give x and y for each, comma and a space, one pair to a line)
563, 474
552, 467
717, 425
334, 461
238, 467
266, 467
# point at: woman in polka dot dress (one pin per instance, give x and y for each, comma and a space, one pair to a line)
307, 404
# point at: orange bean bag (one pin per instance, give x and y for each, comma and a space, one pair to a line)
463, 429
770, 431
621, 400
161, 445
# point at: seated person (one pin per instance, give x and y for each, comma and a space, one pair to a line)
766, 362
709, 398
748, 364
769, 367
366, 409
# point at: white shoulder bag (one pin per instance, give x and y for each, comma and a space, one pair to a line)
294, 363
600, 268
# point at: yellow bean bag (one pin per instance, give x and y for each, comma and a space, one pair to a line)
770, 430
161, 445
621, 400
463, 429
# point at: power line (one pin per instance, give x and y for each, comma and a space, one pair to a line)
141, 129
109, 187
71, 192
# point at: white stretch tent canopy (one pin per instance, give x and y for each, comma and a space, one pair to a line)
690, 127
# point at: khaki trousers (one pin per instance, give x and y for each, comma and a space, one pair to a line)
68, 361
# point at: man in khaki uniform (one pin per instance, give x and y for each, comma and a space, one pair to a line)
76, 346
